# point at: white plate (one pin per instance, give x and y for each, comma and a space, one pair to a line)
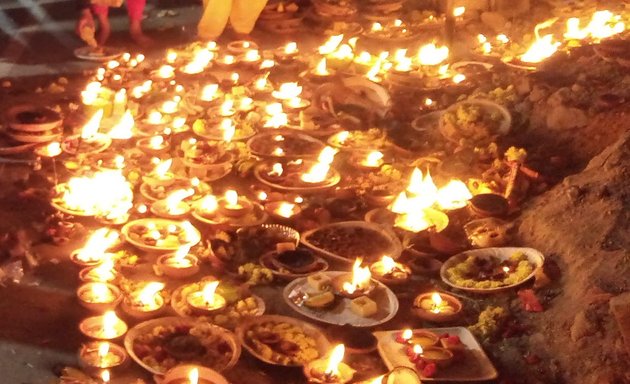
340, 313
148, 326
394, 250
486, 105
503, 253
88, 53
322, 344
150, 248
475, 367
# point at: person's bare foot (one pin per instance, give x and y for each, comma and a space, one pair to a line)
135, 31
104, 31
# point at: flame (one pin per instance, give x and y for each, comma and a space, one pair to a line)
123, 130
109, 324
193, 376
199, 62
267, 63
541, 48
103, 350
261, 83
105, 376
100, 293
235, 77
161, 169
453, 195
171, 56
209, 92
332, 368
100, 241
430, 54
437, 299
361, 277
290, 48
327, 155
400, 205
166, 71
288, 91
179, 257
228, 129
459, 11
376, 27
99, 194
175, 198
276, 170
428, 102
231, 197
148, 296
119, 162
388, 264
91, 127
417, 349
53, 149
191, 235
603, 24
317, 173
246, 103
295, 102
458, 78
262, 196
209, 204
286, 210
407, 334
344, 52
506, 269
208, 293
155, 117
373, 159
413, 221
363, 58
331, 45
227, 108
252, 55
279, 152
377, 380
105, 271
229, 59
273, 109
155, 142
321, 69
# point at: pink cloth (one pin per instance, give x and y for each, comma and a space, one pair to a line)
134, 9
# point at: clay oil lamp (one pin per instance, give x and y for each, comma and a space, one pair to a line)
287, 91
441, 357
296, 104
262, 87
226, 62
50, 151
94, 250
246, 104
104, 273
318, 173
179, 265
283, 211
251, 58
198, 64
363, 62
371, 161
98, 296
390, 272
101, 355
357, 283
89, 141
416, 337
210, 95
321, 73
160, 176
145, 303
225, 110
206, 301
341, 57
110, 162
488, 205
286, 54
174, 206
379, 197
154, 145
437, 307
157, 120
104, 327
241, 47
192, 374
331, 370
170, 107
233, 205
165, 72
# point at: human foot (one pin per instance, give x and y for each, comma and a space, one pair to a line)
139, 37
104, 31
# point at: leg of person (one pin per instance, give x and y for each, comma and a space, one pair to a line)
245, 14
214, 19
104, 30
135, 9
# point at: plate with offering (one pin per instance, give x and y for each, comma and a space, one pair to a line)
345, 241
296, 176
160, 344
160, 234
318, 297
436, 354
290, 264
490, 270
281, 340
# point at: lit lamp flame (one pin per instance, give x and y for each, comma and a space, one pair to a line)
123, 130
261, 83
331, 45
103, 350
276, 170
252, 55
458, 78
166, 71
105, 271
99, 242
459, 11
361, 277
422, 189
161, 169
155, 142
53, 149
209, 204
286, 210
148, 296
321, 69
109, 324
437, 302
91, 127
335, 359
373, 159
155, 117
227, 108
389, 265
542, 48
400, 204
193, 376
105, 376
290, 48
453, 195
179, 258
173, 201
208, 293
430, 54
209, 92
376, 27
99, 194
288, 91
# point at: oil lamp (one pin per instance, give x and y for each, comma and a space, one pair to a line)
287, 91
262, 86
206, 300
156, 118
104, 327
145, 303
98, 296
51, 150
287, 53
192, 374
241, 46
252, 58
432, 55
101, 355
437, 307
331, 45
93, 252
173, 206
282, 210
416, 337
233, 205
389, 271
354, 284
166, 72
439, 356
104, 272
331, 370
210, 93
123, 130
453, 195
373, 160
160, 176
321, 72
319, 171
179, 265
297, 104
154, 145
170, 107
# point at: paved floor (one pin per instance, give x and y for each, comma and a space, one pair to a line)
37, 36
